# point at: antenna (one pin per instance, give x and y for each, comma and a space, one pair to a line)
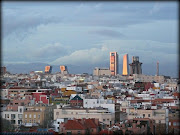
157, 69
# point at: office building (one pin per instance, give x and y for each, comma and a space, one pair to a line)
135, 66
64, 69
3, 70
125, 65
114, 63
48, 69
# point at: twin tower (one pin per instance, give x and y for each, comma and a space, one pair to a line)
135, 66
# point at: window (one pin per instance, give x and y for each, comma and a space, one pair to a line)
149, 115
39, 116
20, 110
79, 132
174, 123
104, 119
57, 113
143, 115
169, 123
7, 115
34, 121
29, 121
29, 115
25, 115
38, 121
20, 116
159, 121
34, 115
13, 116
86, 102
107, 119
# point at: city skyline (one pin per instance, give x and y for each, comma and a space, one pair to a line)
83, 33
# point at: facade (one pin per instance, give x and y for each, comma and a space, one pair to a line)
64, 69
158, 115
148, 78
38, 114
101, 71
76, 101
48, 69
92, 103
3, 70
114, 63
15, 117
102, 114
41, 97
125, 65
135, 66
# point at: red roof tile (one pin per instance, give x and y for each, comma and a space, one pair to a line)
89, 123
74, 125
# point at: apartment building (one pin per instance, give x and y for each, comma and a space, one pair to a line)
38, 114
15, 117
102, 114
148, 78
158, 115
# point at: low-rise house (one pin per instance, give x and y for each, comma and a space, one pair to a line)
80, 126
76, 101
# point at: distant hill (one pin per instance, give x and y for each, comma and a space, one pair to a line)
27, 68
149, 69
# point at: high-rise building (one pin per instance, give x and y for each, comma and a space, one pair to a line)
114, 63
48, 69
64, 69
125, 65
135, 66
3, 70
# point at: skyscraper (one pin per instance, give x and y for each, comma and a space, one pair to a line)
64, 69
114, 63
125, 65
48, 69
135, 66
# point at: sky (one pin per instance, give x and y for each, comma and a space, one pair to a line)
83, 33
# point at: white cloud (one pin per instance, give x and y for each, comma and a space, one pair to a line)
148, 51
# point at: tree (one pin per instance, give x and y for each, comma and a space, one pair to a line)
6, 125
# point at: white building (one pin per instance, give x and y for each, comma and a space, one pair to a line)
92, 103
77, 89
56, 124
15, 117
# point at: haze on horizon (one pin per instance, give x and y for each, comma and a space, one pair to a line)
83, 33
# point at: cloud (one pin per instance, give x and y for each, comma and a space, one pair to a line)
148, 51
50, 51
87, 56
156, 8
107, 33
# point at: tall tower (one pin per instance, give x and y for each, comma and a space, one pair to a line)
48, 69
135, 66
64, 69
125, 65
114, 63
157, 69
